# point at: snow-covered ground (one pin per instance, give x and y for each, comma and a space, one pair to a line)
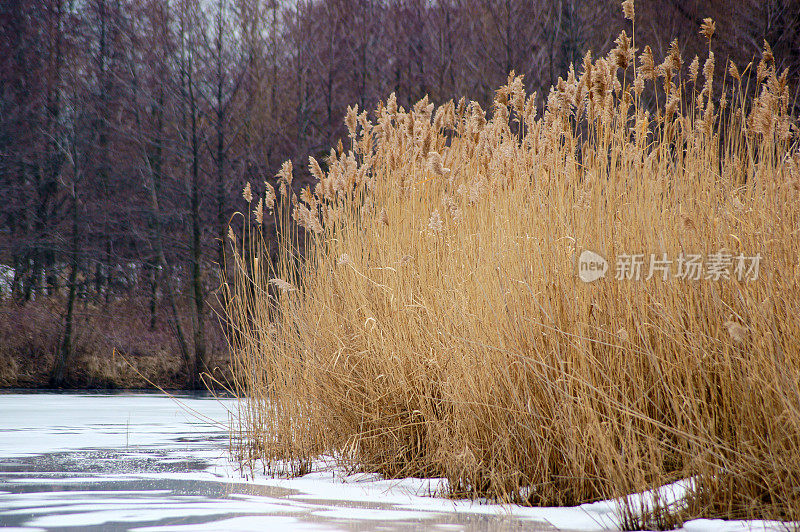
152, 463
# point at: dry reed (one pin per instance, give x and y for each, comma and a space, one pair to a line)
436, 324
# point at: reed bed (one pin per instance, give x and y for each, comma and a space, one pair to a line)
430, 319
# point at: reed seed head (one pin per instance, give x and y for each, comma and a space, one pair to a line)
283, 286
269, 196
436, 166
285, 173
734, 71
647, 63
707, 29
435, 222
737, 331
624, 53
316, 169
259, 211
383, 217
694, 69
628, 9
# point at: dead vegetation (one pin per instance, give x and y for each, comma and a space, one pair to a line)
437, 326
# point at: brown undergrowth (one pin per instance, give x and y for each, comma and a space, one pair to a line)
115, 347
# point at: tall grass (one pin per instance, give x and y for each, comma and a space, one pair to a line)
436, 324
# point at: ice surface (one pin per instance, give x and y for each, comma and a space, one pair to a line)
152, 464
32, 424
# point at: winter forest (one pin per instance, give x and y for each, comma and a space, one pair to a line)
128, 129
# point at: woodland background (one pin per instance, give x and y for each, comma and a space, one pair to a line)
129, 127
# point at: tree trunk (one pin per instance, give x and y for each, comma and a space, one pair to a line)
156, 234
152, 273
197, 279
155, 185
58, 376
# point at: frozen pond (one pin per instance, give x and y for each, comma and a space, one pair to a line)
146, 462
152, 463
